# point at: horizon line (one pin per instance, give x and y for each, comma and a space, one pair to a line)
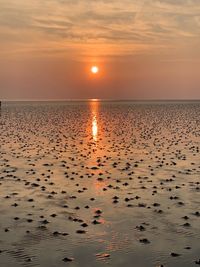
100, 100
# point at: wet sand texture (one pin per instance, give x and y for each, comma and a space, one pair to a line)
99, 184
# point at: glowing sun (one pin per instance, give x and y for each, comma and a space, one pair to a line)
94, 69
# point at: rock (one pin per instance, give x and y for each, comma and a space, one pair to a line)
29, 260
186, 225
68, 259
96, 222
144, 241
84, 225
80, 231
197, 262
98, 212
173, 254
140, 228
103, 255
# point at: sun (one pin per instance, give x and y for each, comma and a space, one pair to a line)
94, 69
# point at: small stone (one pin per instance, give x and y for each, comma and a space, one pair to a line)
80, 231
68, 259
140, 228
144, 241
173, 254
84, 225
96, 222
197, 262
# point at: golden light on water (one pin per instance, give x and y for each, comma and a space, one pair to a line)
94, 128
94, 110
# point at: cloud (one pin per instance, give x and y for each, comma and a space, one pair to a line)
159, 25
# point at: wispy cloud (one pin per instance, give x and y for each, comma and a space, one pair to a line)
155, 24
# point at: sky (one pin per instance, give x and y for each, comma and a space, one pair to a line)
145, 49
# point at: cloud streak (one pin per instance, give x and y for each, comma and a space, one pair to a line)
81, 22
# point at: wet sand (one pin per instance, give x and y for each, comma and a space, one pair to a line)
99, 184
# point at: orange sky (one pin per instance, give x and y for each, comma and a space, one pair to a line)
144, 49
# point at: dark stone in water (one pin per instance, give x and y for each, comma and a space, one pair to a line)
197, 262
29, 260
98, 211
197, 213
144, 241
56, 233
140, 228
96, 222
81, 232
84, 225
173, 254
45, 222
186, 225
187, 248
67, 259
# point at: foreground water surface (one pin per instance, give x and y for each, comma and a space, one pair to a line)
99, 184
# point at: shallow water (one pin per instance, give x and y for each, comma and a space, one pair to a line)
132, 169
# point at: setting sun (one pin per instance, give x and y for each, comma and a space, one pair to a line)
94, 69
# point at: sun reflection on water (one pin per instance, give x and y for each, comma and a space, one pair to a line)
94, 128
94, 110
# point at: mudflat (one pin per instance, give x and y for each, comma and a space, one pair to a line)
99, 184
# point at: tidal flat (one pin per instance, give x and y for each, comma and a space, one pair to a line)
97, 183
